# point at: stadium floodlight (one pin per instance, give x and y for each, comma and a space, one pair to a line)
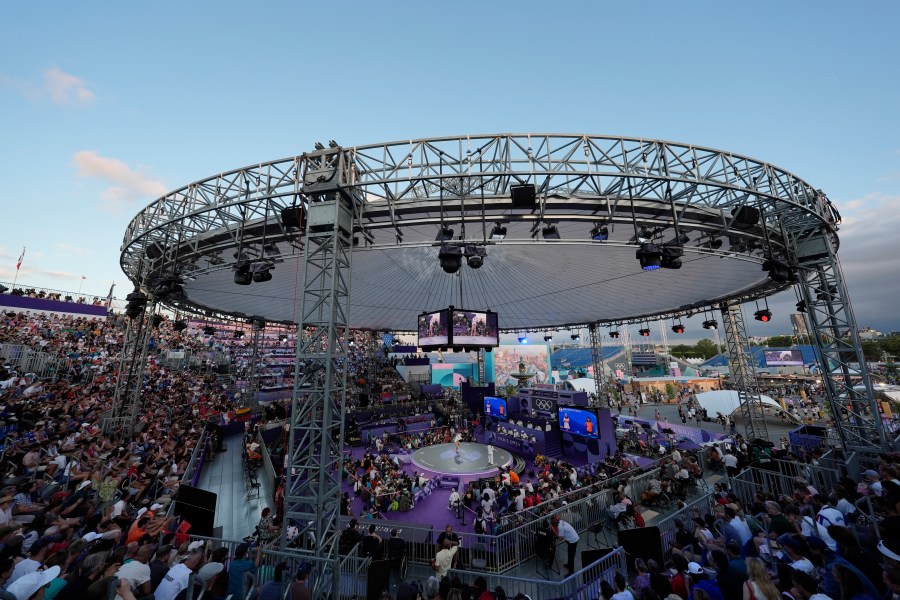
649, 256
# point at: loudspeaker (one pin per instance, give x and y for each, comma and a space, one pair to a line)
643, 543
198, 507
523, 195
292, 216
589, 557
745, 217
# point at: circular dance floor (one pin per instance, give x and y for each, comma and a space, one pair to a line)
472, 459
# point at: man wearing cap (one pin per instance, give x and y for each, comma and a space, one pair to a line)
178, 576
699, 580
28, 585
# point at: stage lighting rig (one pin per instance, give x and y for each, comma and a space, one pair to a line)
242, 275
548, 338
764, 315
523, 339
450, 257
649, 256
498, 232
475, 256
576, 337
137, 300
444, 234
801, 306
614, 334
179, 326
779, 271
710, 324
550, 232
678, 328
600, 233
671, 256
644, 332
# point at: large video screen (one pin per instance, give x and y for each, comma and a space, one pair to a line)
783, 358
495, 407
475, 328
580, 421
433, 329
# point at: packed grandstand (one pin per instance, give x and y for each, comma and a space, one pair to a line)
88, 511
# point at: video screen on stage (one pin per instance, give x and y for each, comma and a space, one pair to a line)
433, 330
495, 407
580, 421
474, 328
783, 358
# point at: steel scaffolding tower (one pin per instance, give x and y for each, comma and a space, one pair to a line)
597, 364
313, 477
842, 363
743, 374
127, 394
253, 376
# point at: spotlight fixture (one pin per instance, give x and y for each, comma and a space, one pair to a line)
671, 257
710, 324
678, 328
714, 243
475, 256
801, 306
764, 315
779, 271
600, 233
548, 338
550, 232
450, 257
137, 300
242, 275
179, 326
261, 276
649, 255
644, 332
209, 330
282, 337
523, 339
238, 334
576, 337
644, 235
156, 321
444, 234
498, 232
614, 334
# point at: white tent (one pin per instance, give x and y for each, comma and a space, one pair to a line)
726, 402
583, 384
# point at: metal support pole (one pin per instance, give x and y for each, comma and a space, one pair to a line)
743, 374
127, 395
313, 474
598, 365
481, 371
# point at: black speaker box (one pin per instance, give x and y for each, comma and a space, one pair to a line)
197, 507
292, 216
523, 195
589, 557
644, 542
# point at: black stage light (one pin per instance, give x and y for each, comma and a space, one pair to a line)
714, 244
764, 315
801, 306
779, 272
156, 321
644, 235
548, 338
671, 257
179, 326
137, 300
498, 232
450, 257
261, 276
614, 334
444, 234
292, 217
550, 232
644, 332
576, 337
475, 256
745, 217
523, 195
209, 330
649, 256
282, 337
600, 233
242, 275
710, 324
679, 328
523, 339
238, 334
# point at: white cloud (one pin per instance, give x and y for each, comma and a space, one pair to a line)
127, 185
57, 86
66, 89
72, 249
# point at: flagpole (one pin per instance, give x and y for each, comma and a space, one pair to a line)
80, 285
18, 265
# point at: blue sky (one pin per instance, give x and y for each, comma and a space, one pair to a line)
107, 105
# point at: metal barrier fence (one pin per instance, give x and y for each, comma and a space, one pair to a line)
353, 569
699, 507
753, 480
581, 585
24, 359
640, 482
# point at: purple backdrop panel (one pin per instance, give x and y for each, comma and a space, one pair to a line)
23, 303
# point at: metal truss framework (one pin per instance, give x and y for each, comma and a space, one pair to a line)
253, 376
133, 362
840, 355
313, 477
600, 379
743, 374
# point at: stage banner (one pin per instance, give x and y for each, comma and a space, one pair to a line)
503, 364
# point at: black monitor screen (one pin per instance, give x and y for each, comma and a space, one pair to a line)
495, 407
433, 329
475, 328
580, 421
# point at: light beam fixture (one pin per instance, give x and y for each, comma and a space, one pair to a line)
498, 232
649, 256
450, 257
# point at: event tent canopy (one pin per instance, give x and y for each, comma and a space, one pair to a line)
726, 402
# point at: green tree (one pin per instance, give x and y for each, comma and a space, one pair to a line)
670, 391
872, 350
780, 341
706, 348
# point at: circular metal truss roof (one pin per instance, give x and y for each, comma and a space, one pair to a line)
403, 193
